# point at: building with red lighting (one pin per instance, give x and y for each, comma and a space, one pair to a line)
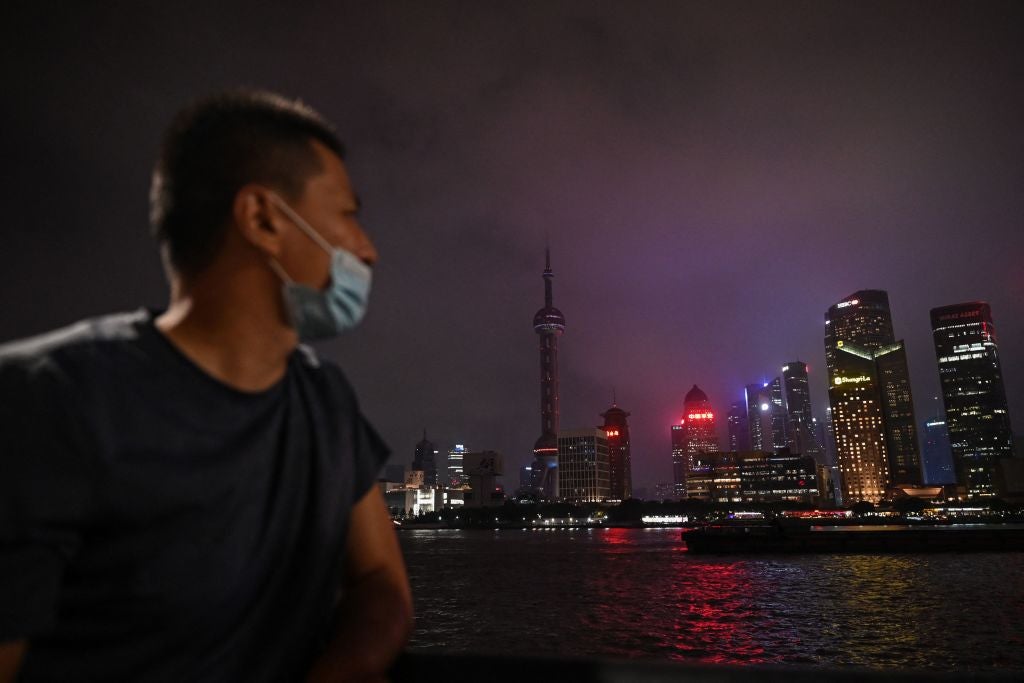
692, 439
620, 464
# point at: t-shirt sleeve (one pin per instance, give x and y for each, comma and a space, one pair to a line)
44, 496
370, 454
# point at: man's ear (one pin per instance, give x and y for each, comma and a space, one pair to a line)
256, 219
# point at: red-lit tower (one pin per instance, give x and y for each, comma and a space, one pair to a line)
548, 323
695, 436
620, 478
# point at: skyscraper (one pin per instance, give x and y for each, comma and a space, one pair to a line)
739, 435
620, 464
583, 465
973, 393
898, 412
678, 432
424, 459
759, 417
548, 323
697, 437
780, 437
456, 472
869, 392
938, 454
801, 436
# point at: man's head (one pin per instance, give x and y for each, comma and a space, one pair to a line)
219, 146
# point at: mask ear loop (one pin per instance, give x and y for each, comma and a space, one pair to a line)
279, 269
303, 225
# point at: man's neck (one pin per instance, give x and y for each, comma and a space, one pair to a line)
231, 331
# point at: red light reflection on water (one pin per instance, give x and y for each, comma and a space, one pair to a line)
715, 618
617, 536
713, 613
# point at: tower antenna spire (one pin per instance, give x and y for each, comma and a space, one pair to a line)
548, 276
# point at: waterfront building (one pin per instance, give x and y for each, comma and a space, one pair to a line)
938, 454
482, 469
736, 420
548, 323
777, 477
456, 471
526, 477
759, 417
780, 437
869, 394
620, 464
699, 421
972, 390
699, 438
898, 413
665, 490
678, 434
754, 477
801, 426
583, 475
424, 460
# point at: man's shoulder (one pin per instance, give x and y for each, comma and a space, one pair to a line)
84, 342
324, 372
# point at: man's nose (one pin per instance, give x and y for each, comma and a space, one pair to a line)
366, 251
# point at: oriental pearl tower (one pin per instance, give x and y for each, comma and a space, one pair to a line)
548, 323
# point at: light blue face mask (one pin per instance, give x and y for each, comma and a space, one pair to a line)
322, 314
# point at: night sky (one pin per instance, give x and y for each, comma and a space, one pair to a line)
711, 177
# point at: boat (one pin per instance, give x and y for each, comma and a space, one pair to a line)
779, 537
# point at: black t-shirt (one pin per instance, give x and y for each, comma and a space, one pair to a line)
159, 525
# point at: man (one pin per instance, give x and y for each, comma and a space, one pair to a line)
190, 495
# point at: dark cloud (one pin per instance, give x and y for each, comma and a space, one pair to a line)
710, 176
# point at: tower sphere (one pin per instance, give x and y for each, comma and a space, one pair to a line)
549, 320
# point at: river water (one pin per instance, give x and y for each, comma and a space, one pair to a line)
637, 593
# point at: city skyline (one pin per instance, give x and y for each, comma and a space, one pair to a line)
709, 179
784, 405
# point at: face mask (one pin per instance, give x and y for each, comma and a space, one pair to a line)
322, 314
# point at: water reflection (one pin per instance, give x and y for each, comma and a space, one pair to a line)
637, 593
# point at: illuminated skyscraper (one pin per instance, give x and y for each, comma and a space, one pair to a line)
548, 323
780, 431
973, 393
620, 463
898, 410
424, 459
678, 432
456, 472
583, 465
759, 417
869, 392
802, 431
699, 437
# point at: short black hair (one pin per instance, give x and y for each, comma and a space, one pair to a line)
212, 149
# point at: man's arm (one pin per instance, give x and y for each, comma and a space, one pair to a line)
11, 653
376, 613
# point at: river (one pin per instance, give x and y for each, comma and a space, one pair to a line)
637, 593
